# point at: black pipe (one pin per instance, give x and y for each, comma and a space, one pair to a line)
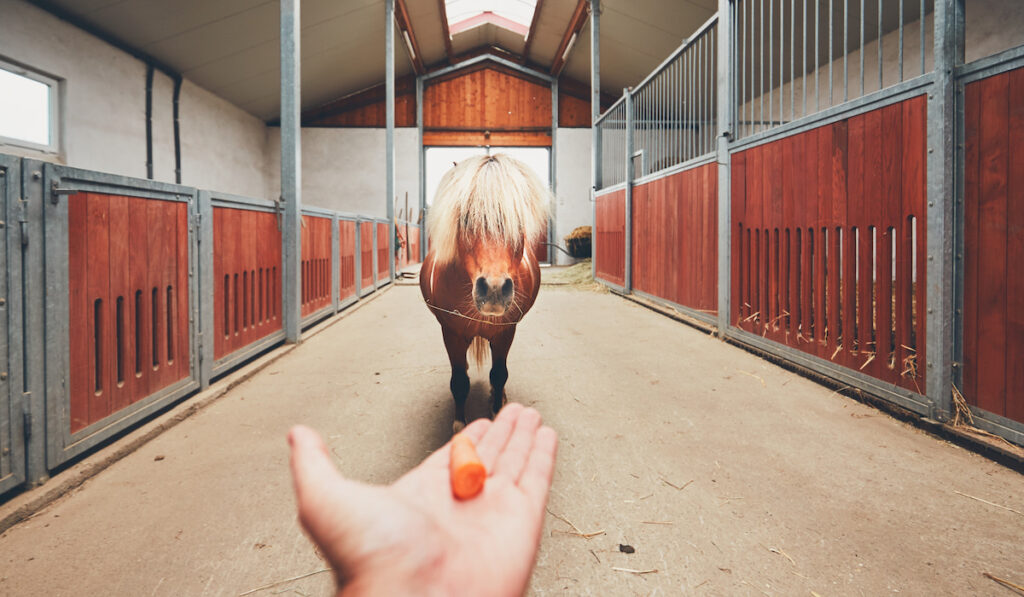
177, 131
149, 121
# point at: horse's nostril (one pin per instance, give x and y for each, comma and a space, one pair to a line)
481, 287
507, 288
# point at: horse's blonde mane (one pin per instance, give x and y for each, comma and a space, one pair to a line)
496, 197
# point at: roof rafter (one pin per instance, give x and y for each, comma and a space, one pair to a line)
533, 30
579, 17
405, 25
444, 30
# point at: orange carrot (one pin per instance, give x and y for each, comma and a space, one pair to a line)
467, 470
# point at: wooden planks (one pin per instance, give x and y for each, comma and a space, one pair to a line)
128, 301
366, 254
610, 234
346, 259
246, 278
316, 264
383, 269
821, 219
993, 329
675, 238
488, 98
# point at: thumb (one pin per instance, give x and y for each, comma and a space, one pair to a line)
319, 491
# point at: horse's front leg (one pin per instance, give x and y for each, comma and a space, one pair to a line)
499, 370
457, 346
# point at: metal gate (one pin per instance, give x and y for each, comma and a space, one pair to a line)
121, 304
12, 417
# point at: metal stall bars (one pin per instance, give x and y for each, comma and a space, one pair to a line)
674, 186
317, 264
240, 278
796, 58
121, 318
989, 342
610, 197
13, 413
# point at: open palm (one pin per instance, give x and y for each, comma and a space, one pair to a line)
413, 537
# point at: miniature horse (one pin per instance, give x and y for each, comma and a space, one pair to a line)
481, 275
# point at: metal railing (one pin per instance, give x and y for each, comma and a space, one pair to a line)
674, 108
611, 141
794, 58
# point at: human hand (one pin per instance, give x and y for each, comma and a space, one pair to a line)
413, 537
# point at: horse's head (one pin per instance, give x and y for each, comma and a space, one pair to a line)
487, 210
491, 265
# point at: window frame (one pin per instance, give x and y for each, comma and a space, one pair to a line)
53, 147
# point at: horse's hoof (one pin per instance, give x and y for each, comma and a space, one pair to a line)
457, 426
498, 404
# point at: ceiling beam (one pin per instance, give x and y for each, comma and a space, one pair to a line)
405, 26
533, 30
579, 17
444, 30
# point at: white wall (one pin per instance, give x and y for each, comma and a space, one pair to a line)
343, 168
572, 184
103, 111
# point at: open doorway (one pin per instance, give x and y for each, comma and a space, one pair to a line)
439, 160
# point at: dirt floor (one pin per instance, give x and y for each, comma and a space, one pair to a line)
725, 475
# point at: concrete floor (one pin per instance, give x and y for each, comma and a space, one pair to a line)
727, 475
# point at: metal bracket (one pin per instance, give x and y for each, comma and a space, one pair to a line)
23, 221
56, 192
26, 415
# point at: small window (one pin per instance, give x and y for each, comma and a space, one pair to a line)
28, 109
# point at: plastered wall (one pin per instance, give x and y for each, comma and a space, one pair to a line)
572, 185
103, 110
343, 168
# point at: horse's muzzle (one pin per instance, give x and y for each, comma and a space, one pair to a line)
493, 294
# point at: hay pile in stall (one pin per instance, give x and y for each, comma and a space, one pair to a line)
578, 242
577, 276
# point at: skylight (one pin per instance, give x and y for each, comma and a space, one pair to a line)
514, 15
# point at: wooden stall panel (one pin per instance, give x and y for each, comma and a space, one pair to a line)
128, 301
829, 242
383, 269
610, 231
993, 334
414, 244
366, 254
316, 264
247, 278
675, 238
346, 259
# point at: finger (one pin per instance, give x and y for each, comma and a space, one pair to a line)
314, 476
535, 481
493, 442
513, 457
474, 431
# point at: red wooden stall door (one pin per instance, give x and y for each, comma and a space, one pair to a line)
383, 267
316, 264
246, 278
829, 242
675, 238
366, 254
128, 301
610, 232
993, 330
346, 259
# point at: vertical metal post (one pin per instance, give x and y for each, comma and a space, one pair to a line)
949, 53
726, 64
423, 169
206, 282
553, 172
628, 244
291, 171
389, 134
595, 112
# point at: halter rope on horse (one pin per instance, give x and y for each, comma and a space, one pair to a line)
456, 313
